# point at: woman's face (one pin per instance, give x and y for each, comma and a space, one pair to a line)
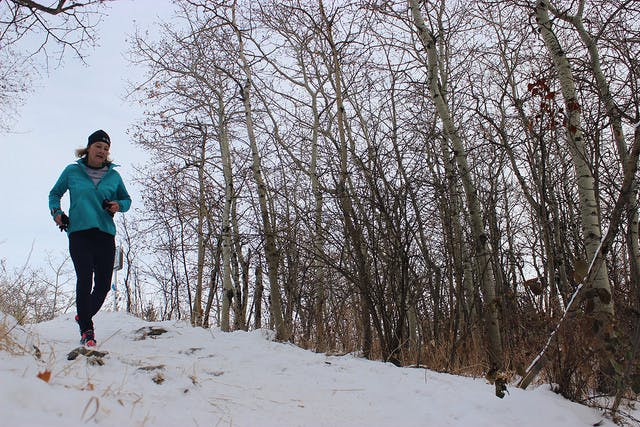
97, 153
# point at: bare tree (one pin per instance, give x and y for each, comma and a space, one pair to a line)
36, 295
412, 193
481, 244
32, 31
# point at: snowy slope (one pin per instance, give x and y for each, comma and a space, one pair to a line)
195, 377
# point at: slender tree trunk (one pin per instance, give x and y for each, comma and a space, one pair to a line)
615, 116
225, 155
602, 305
481, 246
271, 251
459, 250
241, 282
258, 297
318, 239
352, 230
212, 285
196, 315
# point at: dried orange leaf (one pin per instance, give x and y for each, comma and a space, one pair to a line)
45, 376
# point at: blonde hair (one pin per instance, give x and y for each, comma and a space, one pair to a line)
82, 152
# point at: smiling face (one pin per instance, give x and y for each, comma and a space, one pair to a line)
97, 154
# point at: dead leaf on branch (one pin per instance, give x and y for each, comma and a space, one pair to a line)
580, 270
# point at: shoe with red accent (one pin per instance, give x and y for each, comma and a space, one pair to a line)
88, 338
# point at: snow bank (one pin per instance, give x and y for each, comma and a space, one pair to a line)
168, 374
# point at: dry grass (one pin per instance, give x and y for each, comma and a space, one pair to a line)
7, 342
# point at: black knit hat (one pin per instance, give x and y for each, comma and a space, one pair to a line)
98, 135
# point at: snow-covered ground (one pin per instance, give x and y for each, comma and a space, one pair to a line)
196, 377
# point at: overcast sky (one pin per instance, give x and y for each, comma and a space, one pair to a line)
67, 105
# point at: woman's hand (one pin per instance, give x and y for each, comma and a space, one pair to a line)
62, 221
113, 207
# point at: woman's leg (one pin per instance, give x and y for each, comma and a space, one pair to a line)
104, 252
80, 251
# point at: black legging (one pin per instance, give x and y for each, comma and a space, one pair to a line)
93, 253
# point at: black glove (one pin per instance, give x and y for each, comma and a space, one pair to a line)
64, 219
105, 206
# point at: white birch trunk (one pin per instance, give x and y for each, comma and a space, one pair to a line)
615, 116
225, 153
481, 246
271, 251
196, 314
318, 240
241, 284
589, 209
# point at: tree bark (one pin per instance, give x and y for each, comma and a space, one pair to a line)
271, 251
225, 155
196, 314
615, 116
258, 297
592, 234
481, 247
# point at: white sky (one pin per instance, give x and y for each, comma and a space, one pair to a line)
239, 379
67, 106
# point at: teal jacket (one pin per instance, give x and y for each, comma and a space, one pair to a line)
85, 210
